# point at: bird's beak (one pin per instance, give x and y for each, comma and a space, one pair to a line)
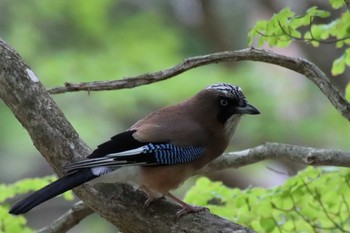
248, 109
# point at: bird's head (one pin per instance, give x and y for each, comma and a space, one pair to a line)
230, 101
224, 103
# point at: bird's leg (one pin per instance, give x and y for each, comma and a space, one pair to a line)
186, 208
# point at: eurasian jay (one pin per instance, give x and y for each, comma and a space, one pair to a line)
160, 151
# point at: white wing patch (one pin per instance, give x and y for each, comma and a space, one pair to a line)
99, 171
127, 152
104, 165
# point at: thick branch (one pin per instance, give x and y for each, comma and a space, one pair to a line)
59, 143
302, 66
273, 151
303, 155
71, 218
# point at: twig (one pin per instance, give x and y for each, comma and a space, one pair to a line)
347, 3
317, 197
311, 35
287, 174
304, 155
300, 65
71, 218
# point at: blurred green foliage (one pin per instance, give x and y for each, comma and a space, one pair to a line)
17, 224
79, 41
316, 200
286, 26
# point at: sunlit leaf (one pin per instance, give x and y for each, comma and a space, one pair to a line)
314, 11
336, 4
284, 43
347, 92
291, 207
267, 224
338, 66
347, 57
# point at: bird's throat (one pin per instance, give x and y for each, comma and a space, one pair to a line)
231, 125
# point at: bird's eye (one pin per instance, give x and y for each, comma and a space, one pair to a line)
223, 102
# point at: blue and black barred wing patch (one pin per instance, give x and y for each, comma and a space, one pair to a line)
170, 154
147, 155
159, 154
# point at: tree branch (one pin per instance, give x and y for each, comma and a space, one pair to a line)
71, 218
268, 150
273, 151
303, 155
59, 143
347, 3
300, 65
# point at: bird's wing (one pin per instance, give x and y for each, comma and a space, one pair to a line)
123, 150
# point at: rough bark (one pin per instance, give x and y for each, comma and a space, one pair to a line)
278, 151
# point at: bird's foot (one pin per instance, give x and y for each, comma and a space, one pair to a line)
186, 208
189, 209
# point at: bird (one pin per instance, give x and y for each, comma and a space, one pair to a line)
160, 151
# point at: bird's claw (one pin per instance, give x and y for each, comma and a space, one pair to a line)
190, 209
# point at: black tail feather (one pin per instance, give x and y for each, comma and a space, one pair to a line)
56, 188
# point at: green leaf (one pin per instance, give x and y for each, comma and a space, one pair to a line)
324, 31
12, 224
347, 92
315, 43
261, 41
338, 66
263, 209
336, 4
267, 224
284, 14
289, 226
310, 212
339, 44
315, 12
250, 37
68, 196
347, 57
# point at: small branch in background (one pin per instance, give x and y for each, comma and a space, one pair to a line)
304, 155
347, 3
300, 65
78, 212
284, 173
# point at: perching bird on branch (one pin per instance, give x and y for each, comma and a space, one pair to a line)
160, 151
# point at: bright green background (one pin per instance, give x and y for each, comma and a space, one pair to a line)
78, 41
